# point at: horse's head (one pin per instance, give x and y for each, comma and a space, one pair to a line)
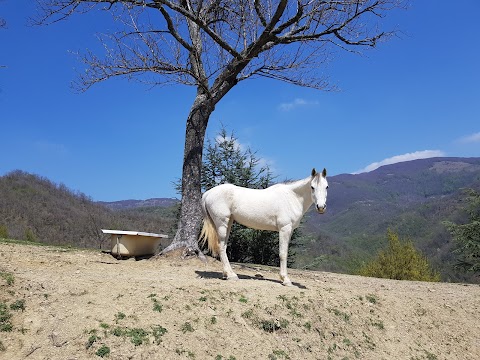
319, 186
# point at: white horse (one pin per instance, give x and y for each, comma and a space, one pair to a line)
277, 208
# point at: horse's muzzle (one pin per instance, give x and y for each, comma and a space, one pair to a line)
321, 209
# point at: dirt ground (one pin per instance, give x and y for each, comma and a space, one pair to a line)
79, 304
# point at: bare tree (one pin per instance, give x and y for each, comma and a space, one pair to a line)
213, 45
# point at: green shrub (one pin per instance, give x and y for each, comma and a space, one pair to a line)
30, 236
103, 351
3, 232
18, 305
5, 316
400, 261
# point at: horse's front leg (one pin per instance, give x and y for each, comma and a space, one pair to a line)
223, 233
284, 235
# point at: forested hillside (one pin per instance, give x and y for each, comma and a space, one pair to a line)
34, 208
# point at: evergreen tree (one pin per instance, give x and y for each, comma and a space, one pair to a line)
400, 261
226, 161
467, 236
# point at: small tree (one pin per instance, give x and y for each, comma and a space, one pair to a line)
467, 236
226, 161
400, 261
3, 232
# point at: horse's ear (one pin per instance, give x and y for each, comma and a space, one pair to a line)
324, 172
314, 172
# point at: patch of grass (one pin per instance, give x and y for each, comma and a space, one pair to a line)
220, 357
203, 299
119, 316
187, 327
118, 331
190, 354
5, 316
243, 299
213, 320
91, 340
137, 336
340, 314
247, 314
292, 304
18, 305
371, 299
278, 354
270, 325
308, 325
430, 356
157, 332
157, 306
103, 351
378, 324
8, 277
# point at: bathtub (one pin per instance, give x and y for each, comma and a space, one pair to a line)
133, 243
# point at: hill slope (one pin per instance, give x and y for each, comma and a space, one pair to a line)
34, 208
79, 303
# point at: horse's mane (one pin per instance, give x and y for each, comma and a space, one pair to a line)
290, 182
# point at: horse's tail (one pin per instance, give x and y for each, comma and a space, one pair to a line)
209, 232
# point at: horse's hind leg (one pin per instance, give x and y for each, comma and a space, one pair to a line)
223, 233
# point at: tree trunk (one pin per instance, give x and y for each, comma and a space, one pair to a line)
191, 210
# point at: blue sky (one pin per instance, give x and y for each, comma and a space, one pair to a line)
417, 95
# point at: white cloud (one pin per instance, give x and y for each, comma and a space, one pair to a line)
473, 138
49, 148
425, 154
296, 103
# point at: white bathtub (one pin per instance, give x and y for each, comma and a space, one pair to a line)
133, 243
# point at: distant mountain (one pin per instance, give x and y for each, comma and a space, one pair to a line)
411, 198
133, 204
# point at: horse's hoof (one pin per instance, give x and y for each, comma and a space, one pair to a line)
287, 283
230, 277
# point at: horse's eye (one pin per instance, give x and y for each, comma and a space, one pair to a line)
313, 188
327, 187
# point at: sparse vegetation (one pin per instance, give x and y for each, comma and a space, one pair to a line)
119, 316
103, 351
187, 327
18, 305
8, 277
92, 339
5, 318
333, 316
